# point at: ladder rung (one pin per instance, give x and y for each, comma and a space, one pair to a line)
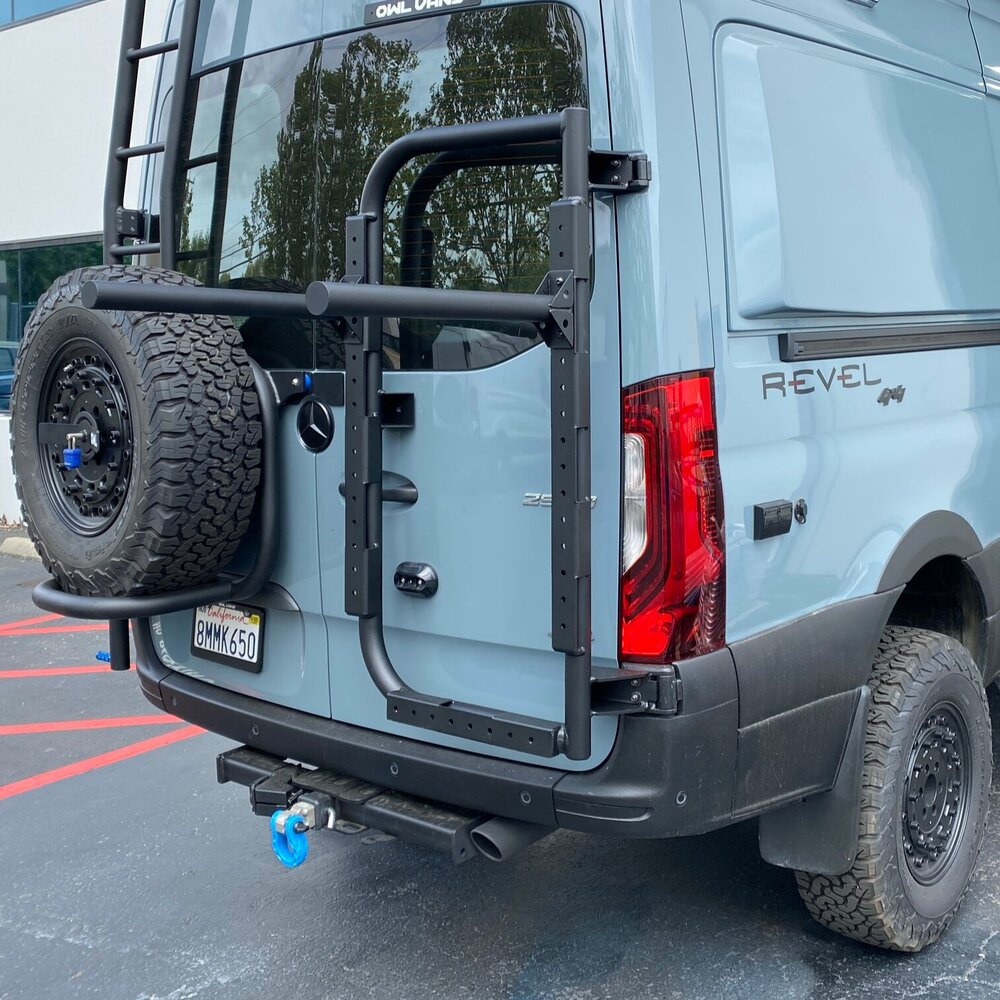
138, 249
201, 161
134, 55
193, 254
128, 152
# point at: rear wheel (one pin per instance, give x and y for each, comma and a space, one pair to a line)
136, 440
924, 797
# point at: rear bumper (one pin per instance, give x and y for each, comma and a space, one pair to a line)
666, 776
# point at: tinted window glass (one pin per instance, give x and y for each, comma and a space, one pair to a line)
238, 27
25, 274
297, 130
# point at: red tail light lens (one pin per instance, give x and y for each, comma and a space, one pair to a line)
673, 540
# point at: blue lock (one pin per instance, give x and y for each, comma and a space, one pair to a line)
72, 457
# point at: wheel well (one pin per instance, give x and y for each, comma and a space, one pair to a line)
944, 596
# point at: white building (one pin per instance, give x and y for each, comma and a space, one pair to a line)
58, 62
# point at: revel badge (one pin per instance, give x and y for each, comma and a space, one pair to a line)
315, 425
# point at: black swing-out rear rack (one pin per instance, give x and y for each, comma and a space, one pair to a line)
561, 310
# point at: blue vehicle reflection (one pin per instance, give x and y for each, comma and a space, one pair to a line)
7, 353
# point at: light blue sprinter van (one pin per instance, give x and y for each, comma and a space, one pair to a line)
501, 417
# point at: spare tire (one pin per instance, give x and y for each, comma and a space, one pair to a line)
163, 411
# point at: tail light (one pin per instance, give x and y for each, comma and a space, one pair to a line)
673, 543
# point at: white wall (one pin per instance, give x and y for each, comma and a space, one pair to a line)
57, 81
9, 507
57, 77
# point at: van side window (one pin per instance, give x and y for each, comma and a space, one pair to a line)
280, 144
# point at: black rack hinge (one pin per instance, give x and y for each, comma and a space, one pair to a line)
631, 692
130, 223
619, 173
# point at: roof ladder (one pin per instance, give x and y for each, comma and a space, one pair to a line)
122, 224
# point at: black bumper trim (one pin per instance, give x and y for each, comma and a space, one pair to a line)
462, 779
418, 769
633, 794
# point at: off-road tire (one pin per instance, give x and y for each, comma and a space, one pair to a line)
186, 388
879, 901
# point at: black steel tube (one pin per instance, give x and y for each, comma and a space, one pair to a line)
191, 299
321, 299
269, 529
329, 298
156, 49
376, 657
131, 152
576, 153
121, 120
118, 643
442, 167
442, 139
224, 158
171, 179
578, 664
446, 138
49, 597
120, 250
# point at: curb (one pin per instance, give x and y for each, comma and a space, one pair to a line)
19, 547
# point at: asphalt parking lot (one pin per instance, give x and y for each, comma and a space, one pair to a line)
127, 872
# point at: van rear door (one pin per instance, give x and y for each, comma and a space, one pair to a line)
467, 499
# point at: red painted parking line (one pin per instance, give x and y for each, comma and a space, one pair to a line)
98, 668
40, 625
93, 763
25, 622
8, 631
76, 725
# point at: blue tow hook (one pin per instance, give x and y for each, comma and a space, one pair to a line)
288, 838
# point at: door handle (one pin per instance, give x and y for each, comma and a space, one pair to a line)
401, 489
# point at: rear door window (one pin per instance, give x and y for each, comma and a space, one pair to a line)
297, 132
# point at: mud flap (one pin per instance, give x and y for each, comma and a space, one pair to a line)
820, 834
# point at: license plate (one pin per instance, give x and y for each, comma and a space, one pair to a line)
232, 634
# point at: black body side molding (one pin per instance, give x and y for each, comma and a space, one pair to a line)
939, 533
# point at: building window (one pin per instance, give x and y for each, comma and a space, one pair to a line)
21, 10
25, 273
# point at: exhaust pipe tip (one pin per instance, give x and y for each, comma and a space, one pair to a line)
500, 839
486, 847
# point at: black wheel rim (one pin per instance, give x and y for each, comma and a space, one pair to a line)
83, 396
936, 794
